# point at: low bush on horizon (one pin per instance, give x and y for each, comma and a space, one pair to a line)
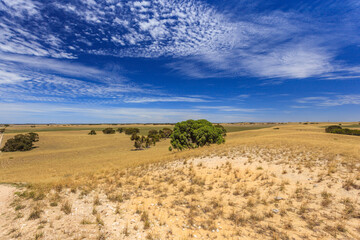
196, 133
339, 130
21, 142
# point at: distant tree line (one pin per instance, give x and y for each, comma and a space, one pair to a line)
128, 131
339, 130
21, 142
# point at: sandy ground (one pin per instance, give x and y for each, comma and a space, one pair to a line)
6, 197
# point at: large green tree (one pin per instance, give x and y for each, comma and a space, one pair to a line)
196, 133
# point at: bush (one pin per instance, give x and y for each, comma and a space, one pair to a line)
120, 130
92, 132
2, 130
332, 128
131, 131
165, 133
20, 142
340, 130
108, 131
153, 133
141, 142
192, 134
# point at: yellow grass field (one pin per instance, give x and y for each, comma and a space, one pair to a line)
64, 153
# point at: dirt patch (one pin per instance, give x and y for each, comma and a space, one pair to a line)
6, 197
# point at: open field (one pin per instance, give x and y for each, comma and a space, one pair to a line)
294, 182
64, 151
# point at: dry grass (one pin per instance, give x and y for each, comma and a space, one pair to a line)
63, 155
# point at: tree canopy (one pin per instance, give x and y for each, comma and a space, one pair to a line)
196, 133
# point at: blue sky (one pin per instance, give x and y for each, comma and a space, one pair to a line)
88, 61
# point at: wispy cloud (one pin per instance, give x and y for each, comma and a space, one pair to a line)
337, 100
165, 99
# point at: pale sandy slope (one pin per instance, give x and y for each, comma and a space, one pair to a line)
6, 197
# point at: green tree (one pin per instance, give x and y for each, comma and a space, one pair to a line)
120, 130
192, 134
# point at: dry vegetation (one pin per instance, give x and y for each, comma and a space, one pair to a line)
296, 182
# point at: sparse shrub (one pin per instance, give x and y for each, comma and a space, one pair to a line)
66, 207
35, 213
120, 130
196, 133
21, 142
141, 142
145, 219
92, 132
108, 131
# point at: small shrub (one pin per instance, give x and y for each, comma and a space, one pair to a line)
35, 213
92, 132
108, 131
66, 207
